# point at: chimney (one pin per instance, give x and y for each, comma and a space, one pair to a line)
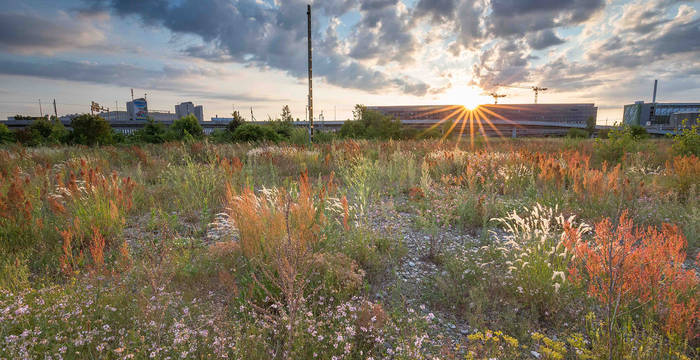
656, 83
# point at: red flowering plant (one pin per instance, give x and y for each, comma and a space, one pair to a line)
627, 268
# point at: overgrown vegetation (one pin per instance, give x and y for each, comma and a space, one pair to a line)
408, 249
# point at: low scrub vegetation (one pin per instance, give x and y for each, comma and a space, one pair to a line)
271, 248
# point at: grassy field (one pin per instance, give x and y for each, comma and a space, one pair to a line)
506, 248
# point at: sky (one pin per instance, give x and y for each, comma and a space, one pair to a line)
251, 54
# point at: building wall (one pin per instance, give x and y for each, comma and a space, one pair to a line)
567, 113
187, 108
115, 116
161, 117
690, 118
640, 113
199, 113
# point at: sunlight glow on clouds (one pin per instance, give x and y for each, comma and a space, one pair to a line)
252, 53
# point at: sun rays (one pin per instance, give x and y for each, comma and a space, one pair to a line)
463, 121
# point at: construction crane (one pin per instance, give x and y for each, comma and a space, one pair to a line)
536, 89
496, 96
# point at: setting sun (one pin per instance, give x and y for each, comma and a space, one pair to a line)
468, 96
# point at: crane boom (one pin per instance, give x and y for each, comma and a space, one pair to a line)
536, 89
496, 96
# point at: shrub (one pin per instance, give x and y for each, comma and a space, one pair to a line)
91, 130
638, 132
371, 124
235, 122
283, 128
323, 136
685, 143
6, 135
255, 133
575, 133
590, 125
626, 267
220, 136
619, 142
42, 132
152, 133
186, 127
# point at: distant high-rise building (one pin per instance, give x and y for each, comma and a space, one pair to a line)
187, 108
137, 109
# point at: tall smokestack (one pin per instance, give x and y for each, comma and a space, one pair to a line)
652, 115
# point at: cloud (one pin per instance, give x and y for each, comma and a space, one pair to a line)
671, 37
117, 74
513, 17
383, 33
167, 78
27, 33
273, 35
478, 21
543, 39
504, 64
438, 11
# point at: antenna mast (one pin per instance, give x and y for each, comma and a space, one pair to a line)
311, 93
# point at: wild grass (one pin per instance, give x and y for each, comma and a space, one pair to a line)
277, 251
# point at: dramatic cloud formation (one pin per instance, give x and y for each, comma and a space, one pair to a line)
274, 35
118, 74
543, 39
25, 34
419, 50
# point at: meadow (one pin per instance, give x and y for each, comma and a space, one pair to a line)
351, 249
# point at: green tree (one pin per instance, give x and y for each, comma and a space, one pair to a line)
371, 124
590, 124
188, 125
575, 133
152, 133
6, 136
91, 130
42, 132
286, 114
235, 123
638, 132
255, 133
688, 141
43, 126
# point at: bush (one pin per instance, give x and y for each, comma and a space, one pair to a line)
370, 124
590, 125
91, 130
324, 136
186, 127
6, 136
619, 142
221, 136
255, 133
152, 133
685, 143
628, 268
42, 132
638, 132
235, 123
283, 128
575, 133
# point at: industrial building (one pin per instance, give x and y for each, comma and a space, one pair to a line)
660, 114
554, 113
187, 108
